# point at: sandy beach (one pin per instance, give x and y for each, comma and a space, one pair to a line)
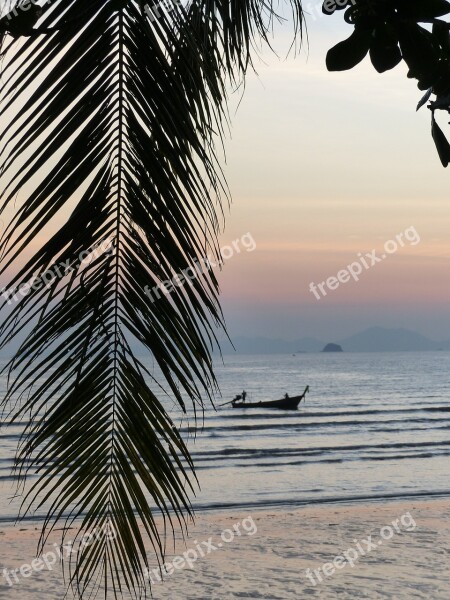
399, 550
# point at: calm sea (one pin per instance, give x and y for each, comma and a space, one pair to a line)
373, 426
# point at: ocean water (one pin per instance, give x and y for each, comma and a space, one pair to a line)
373, 426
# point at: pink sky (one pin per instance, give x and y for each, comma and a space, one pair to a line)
322, 166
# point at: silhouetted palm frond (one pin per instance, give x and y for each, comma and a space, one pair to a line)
109, 120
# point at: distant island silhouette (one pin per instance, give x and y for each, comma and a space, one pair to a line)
332, 348
373, 339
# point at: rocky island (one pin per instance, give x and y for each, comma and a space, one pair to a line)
332, 348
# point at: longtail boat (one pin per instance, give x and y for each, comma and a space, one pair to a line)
286, 403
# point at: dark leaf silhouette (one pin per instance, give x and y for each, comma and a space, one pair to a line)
384, 54
350, 52
420, 10
418, 48
424, 98
442, 145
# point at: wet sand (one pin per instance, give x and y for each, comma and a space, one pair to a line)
266, 554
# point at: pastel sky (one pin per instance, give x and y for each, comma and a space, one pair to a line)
323, 166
